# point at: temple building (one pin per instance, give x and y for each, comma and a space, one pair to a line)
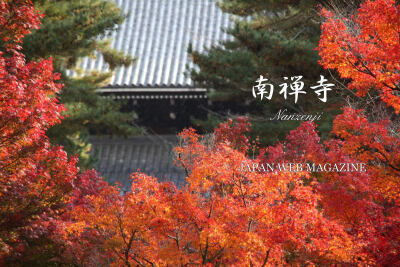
157, 86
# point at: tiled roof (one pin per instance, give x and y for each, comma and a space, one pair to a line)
158, 33
119, 157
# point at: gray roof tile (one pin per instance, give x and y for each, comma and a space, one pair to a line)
119, 157
157, 33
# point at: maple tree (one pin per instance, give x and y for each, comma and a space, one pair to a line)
366, 203
221, 217
224, 216
365, 48
31, 180
37, 181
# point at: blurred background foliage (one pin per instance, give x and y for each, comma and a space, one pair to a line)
70, 31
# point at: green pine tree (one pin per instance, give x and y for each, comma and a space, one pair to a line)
71, 30
274, 39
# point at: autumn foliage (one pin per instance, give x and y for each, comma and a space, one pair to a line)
365, 204
226, 217
37, 180
365, 48
221, 217
50, 213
